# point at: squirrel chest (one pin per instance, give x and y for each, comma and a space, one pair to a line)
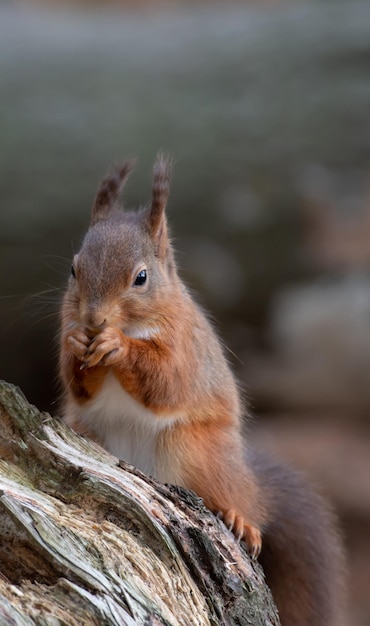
125, 427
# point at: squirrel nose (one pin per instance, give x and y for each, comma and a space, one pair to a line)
93, 318
94, 327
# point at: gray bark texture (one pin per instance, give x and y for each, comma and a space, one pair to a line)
86, 539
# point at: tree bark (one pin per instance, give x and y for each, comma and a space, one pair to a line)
88, 540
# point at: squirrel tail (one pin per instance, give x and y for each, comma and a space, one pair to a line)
302, 555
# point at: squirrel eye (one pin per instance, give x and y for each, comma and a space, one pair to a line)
140, 278
73, 271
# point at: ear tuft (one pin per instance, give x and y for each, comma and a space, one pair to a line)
160, 192
109, 191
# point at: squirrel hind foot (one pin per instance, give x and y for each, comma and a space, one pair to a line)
242, 531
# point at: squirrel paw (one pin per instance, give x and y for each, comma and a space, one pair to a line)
106, 348
79, 342
242, 531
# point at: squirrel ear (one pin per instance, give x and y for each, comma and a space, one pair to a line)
109, 191
160, 193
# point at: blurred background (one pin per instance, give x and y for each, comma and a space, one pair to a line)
265, 107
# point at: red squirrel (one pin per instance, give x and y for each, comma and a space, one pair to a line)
145, 375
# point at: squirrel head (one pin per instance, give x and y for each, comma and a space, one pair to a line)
125, 269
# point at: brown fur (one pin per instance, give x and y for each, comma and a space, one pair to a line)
158, 344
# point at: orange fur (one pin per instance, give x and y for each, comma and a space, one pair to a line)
145, 375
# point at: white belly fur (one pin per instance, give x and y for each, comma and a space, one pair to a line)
124, 426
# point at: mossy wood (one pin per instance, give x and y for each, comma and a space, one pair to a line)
85, 540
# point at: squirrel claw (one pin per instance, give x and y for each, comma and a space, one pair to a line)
242, 531
253, 541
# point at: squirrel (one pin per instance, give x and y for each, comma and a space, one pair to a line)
144, 374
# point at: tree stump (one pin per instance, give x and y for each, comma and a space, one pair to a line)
88, 540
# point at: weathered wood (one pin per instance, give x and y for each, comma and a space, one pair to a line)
85, 539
